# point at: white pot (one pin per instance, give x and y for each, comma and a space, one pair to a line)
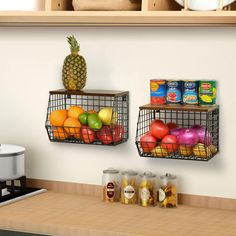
21, 5
12, 162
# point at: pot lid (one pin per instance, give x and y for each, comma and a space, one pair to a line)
10, 150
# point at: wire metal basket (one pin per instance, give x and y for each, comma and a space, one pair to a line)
91, 101
184, 117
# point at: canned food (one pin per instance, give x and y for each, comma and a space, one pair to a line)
190, 92
168, 191
174, 92
129, 187
111, 185
147, 189
207, 92
158, 92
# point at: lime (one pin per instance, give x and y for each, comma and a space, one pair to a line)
83, 118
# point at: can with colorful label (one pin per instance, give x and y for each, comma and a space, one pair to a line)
158, 92
190, 92
207, 92
174, 92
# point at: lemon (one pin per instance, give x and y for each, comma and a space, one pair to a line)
107, 116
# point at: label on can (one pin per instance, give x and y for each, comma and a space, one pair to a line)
174, 92
129, 191
158, 92
207, 92
110, 190
190, 92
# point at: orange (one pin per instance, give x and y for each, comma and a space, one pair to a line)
58, 117
60, 133
75, 112
91, 111
72, 127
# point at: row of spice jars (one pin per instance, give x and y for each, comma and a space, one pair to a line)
130, 188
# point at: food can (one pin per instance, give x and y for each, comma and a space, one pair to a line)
147, 189
158, 92
129, 187
111, 185
168, 191
207, 92
174, 92
190, 92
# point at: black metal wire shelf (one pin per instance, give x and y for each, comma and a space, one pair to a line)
90, 100
183, 117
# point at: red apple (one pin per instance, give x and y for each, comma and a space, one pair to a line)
171, 125
117, 133
158, 129
148, 142
105, 135
87, 134
170, 142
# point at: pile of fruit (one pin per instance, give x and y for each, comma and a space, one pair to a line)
87, 126
163, 140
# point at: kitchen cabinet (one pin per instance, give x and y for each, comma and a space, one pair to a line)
152, 13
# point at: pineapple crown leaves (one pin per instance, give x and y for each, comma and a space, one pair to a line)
74, 45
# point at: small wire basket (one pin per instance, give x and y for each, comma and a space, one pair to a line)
185, 117
93, 101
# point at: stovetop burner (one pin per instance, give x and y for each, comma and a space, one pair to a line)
14, 190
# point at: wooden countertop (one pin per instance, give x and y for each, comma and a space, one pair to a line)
69, 214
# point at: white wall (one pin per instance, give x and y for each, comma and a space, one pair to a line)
123, 59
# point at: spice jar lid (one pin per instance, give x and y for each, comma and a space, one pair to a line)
147, 174
168, 176
110, 171
129, 172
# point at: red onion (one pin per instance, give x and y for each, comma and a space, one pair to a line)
203, 135
188, 137
177, 132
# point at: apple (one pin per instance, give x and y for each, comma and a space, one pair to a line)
105, 135
87, 135
117, 133
158, 129
170, 142
148, 142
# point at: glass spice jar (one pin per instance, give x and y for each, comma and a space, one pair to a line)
168, 191
129, 187
147, 189
111, 185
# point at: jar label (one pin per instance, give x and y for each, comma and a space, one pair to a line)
162, 195
129, 191
144, 194
110, 190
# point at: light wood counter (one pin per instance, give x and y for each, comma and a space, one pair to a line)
70, 214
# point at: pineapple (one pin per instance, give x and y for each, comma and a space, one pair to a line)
74, 72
